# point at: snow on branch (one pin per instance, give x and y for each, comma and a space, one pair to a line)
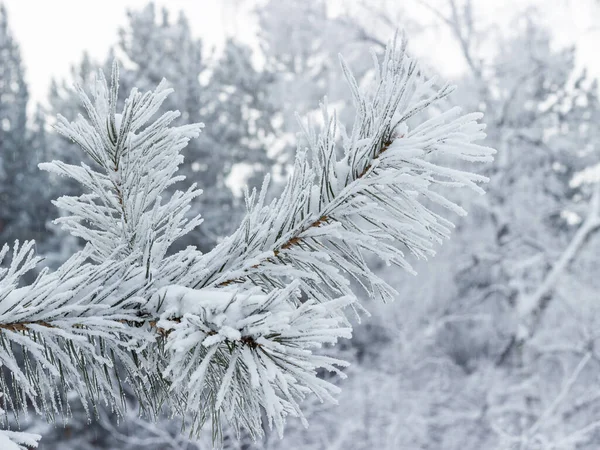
226, 346
18, 440
67, 331
376, 199
124, 212
236, 333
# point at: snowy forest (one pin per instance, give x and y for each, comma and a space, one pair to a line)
371, 263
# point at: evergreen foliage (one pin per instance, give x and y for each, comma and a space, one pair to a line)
234, 333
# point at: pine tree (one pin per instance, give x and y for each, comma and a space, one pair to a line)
233, 334
16, 161
238, 105
37, 191
299, 40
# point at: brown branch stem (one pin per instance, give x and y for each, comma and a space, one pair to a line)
297, 239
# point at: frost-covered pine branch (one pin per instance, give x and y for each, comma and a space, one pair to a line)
376, 199
123, 213
234, 333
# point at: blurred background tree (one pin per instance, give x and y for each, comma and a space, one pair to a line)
25, 206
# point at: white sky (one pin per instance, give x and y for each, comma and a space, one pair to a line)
54, 33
